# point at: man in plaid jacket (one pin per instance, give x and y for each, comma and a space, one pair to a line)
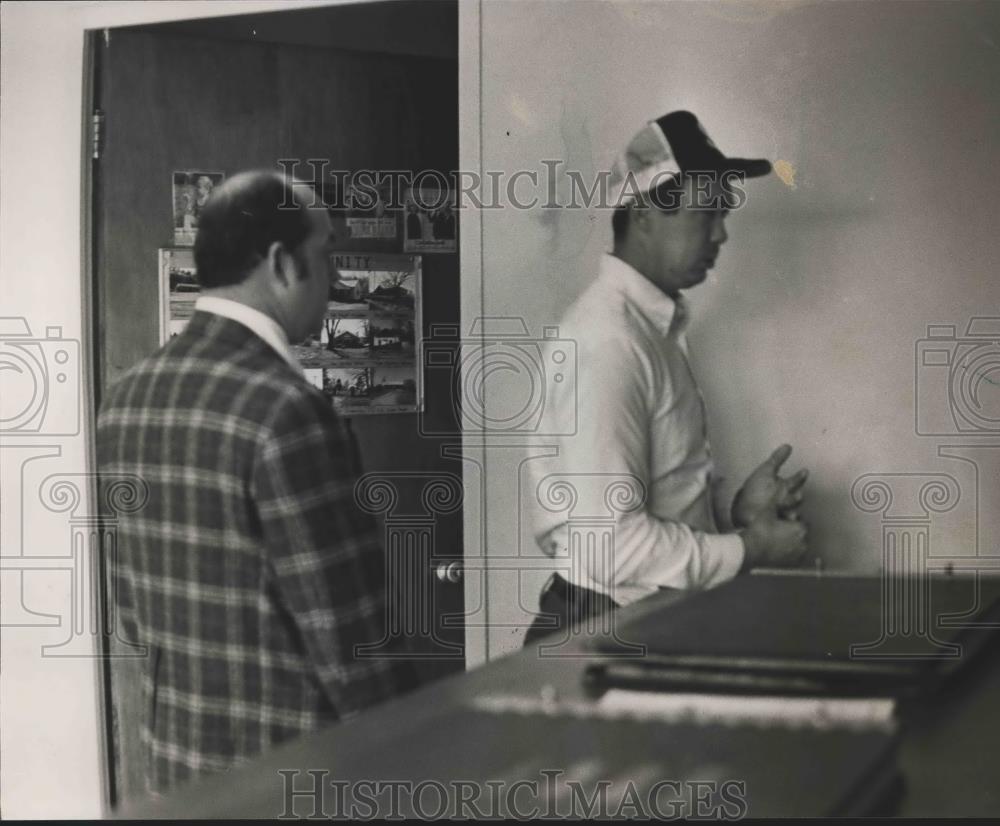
250, 575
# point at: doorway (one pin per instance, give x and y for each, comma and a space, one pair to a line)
363, 87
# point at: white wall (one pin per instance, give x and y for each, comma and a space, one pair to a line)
889, 114
49, 705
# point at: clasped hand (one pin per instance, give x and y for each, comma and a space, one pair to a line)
766, 510
766, 493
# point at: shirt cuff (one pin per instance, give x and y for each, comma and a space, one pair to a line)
729, 553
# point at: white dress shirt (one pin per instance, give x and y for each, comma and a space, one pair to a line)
262, 325
639, 417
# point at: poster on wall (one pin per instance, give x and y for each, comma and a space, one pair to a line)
179, 290
191, 189
369, 217
364, 357
430, 220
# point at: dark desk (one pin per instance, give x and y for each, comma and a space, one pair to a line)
947, 751
950, 744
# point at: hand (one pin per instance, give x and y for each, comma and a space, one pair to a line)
765, 492
774, 543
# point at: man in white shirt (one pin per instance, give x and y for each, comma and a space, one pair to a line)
639, 416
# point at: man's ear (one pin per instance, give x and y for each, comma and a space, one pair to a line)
639, 219
280, 263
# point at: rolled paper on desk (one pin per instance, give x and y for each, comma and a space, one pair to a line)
818, 569
721, 709
742, 676
709, 709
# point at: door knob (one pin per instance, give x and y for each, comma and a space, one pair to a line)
449, 572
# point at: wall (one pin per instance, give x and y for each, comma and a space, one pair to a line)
806, 331
50, 748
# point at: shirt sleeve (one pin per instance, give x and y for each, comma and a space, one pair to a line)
613, 413
324, 551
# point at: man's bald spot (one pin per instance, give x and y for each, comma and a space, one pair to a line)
244, 216
240, 185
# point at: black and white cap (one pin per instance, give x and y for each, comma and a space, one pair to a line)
669, 146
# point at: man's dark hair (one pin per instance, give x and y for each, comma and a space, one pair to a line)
240, 221
667, 197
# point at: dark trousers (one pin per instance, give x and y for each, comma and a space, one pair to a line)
569, 604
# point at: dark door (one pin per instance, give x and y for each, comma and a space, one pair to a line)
240, 93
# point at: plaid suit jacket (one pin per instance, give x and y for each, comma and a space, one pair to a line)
250, 574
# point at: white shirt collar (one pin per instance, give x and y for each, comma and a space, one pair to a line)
263, 326
650, 299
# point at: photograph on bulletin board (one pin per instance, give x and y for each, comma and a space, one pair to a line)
364, 356
191, 190
430, 220
368, 216
179, 290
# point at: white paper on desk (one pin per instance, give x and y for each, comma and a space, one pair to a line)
726, 709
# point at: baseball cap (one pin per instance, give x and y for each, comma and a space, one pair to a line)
669, 146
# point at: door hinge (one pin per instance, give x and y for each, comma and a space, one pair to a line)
96, 133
